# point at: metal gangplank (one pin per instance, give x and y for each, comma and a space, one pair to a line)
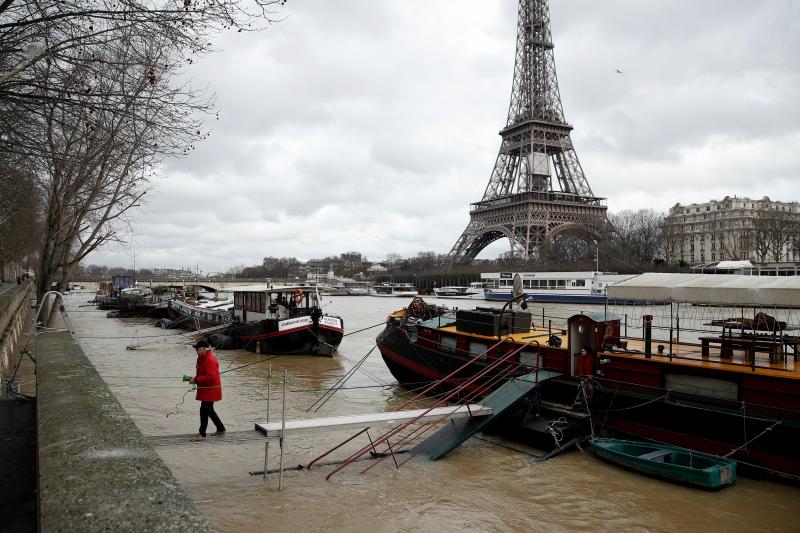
465, 390
507, 395
276, 429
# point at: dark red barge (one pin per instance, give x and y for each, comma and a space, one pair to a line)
734, 394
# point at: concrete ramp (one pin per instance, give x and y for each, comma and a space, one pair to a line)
457, 431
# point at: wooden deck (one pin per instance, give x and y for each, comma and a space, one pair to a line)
737, 356
691, 354
536, 333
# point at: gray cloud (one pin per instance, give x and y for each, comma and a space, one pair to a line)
371, 126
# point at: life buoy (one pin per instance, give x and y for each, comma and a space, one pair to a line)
298, 296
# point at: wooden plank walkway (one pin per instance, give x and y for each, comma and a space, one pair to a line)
273, 429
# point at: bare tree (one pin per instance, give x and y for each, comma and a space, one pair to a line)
19, 218
760, 237
774, 232
782, 228
393, 260
669, 240
96, 160
86, 98
735, 245
68, 31
275, 267
639, 233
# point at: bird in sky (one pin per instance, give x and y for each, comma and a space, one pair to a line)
619, 71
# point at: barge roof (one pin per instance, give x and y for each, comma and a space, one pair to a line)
724, 289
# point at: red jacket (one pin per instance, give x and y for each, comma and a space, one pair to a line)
586, 365
209, 386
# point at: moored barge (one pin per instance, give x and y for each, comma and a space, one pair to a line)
733, 393
283, 320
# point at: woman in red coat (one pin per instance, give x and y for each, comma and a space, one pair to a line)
209, 389
586, 363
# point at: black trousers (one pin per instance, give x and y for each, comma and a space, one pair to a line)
206, 412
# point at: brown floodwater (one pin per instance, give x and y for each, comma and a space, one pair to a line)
483, 485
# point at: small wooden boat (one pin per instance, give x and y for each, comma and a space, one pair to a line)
668, 462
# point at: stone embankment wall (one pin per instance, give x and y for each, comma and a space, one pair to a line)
13, 307
96, 470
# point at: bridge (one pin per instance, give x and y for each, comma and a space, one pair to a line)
209, 285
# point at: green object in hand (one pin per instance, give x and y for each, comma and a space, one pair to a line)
187, 378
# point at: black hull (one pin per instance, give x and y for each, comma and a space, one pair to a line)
264, 336
711, 426
128, 308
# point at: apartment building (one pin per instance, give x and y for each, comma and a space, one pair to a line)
734, 229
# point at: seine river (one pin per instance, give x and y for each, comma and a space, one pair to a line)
481, 486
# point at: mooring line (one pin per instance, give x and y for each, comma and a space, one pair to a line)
338, 385
365, 329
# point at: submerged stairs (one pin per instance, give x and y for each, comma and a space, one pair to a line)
456, 432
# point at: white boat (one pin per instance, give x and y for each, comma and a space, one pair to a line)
556, 287
394, 289
137, 291
473, 292
358, 290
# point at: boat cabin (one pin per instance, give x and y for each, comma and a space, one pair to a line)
589, 282
260, 302
593, 331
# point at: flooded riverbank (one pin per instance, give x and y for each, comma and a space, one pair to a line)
480, 486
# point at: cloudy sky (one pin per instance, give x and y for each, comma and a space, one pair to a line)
371, 125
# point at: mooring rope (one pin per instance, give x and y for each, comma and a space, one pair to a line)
768, 429
337, 386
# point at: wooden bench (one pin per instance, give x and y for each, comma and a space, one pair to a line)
750, 346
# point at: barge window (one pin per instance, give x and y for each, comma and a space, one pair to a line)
477, 349
255, 301
526, 284
702, 386
580, 282
447, 344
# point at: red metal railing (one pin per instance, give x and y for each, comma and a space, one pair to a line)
472, 380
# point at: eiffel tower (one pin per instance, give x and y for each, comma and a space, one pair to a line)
537, 190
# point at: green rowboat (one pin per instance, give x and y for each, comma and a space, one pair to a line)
668, 462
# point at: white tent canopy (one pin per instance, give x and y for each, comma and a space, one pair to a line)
772, 291
734, 264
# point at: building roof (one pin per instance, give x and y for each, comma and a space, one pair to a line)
724, 265
726, 289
